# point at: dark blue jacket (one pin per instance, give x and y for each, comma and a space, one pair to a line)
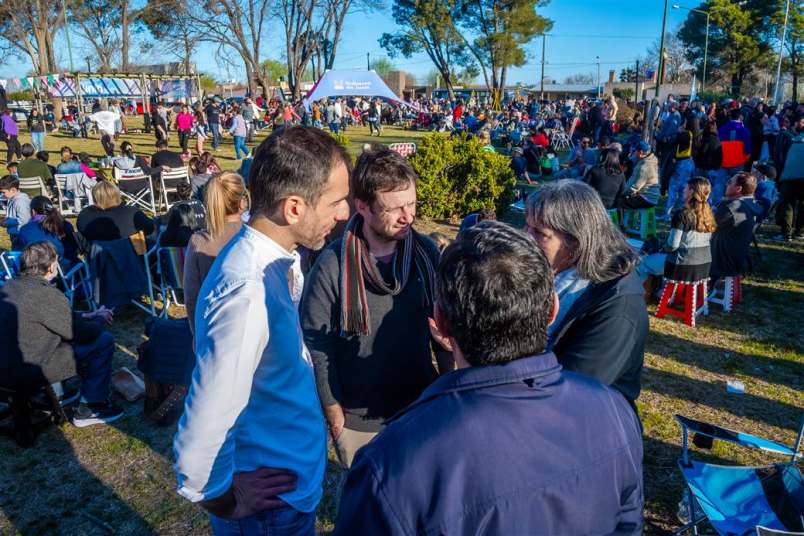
514, 449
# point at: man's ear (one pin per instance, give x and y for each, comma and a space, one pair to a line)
291, 209
554, 309
439, 329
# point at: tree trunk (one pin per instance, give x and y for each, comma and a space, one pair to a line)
124, 36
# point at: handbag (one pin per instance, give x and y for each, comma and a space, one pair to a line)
167, 360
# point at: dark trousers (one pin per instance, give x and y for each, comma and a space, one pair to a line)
634, 202
790, 210
184, 138
94, 364
108, 144
666, 152
12, 148
216, 134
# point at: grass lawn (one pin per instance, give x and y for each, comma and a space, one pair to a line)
118, 479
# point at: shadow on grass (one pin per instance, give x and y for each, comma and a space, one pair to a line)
47, 490
714, 395
715, 359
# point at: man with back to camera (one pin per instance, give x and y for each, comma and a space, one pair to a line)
509, 443
251, 445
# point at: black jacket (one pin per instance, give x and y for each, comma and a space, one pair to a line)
609, 187
95, 223
603, 334
709, 155
731, 241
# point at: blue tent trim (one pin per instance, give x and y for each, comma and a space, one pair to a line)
345, 83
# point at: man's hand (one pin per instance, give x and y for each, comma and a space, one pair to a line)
336, 420
253, 492
107, 315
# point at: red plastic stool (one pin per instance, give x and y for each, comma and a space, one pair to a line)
691, 294
731, 295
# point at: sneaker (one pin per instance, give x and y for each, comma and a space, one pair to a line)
87, 415
782, 238
798, 236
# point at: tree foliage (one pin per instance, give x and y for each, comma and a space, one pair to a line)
174, 30
739, 44
580, 78
428, 26
456, 177
496, 32
382, 66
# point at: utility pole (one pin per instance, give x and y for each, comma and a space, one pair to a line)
781, 54
544, 43
636, 88
597, 58
661, 53
368, 61
67, 35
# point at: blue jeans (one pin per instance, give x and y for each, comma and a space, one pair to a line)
283, 522
38, 141
334, 127
240, 145
94, 364
216, 134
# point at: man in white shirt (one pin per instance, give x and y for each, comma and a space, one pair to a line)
253, 405
106, 120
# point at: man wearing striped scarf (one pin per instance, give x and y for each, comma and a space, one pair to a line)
366, 303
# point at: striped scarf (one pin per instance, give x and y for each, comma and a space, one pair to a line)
357, 266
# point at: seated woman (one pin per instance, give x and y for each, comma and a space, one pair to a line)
68, 164
226, 201
602, 322
201, 169
84, 161
47, 224
182, 222
50, 343
109, 218
128, 160
688, 254
607, 178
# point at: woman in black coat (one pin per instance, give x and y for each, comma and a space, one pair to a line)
607, 178
602, 321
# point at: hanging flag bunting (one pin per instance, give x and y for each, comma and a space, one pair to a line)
51, 78
3, 82
43, 80
30, 81
17, 82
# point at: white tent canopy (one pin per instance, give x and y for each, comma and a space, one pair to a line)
345, 83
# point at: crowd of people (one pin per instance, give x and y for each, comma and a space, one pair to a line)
487, 381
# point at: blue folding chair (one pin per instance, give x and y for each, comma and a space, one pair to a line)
737, 500
9, 265
77, 283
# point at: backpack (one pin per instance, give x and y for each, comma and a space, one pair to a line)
167, 360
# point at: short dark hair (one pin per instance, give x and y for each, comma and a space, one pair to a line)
495, 291
44, 156
37, 258
380, 170
746, 181
27, 150
8, 182
293, 161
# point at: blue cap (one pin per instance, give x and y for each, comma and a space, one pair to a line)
643, 146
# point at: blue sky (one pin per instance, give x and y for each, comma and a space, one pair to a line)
617, 31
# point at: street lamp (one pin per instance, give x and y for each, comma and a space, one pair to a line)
706, 40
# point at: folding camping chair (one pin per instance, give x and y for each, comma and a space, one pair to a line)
78, 282
136, 187
33, 186
169, 179
72, 183
169, 275
9, 265
737, 500
560, 139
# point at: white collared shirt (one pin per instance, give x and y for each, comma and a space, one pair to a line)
253, 400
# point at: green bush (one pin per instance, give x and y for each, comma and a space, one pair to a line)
457, 176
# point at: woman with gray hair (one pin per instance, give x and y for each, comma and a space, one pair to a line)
602, 322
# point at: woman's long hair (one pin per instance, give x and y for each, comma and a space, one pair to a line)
697, 206
53, 222
223, 195
573, 208
127, 150
610, 160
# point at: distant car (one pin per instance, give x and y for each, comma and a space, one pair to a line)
20, 115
